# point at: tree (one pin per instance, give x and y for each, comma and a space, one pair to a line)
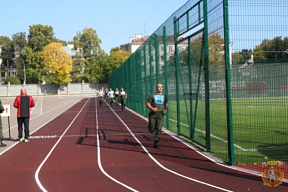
88, 42
216, 49
12, 80
32, 76
102, 60
4, 40
114, 49
86, 65
93, 71
7, 53
272, 50
241, 57
77, 73
116, 58
39, 36
58, 63
34, 60
19, 42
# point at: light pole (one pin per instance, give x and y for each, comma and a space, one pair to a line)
24, 74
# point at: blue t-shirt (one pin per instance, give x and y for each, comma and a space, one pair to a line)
157, 100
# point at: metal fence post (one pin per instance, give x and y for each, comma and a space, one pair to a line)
206, 74
165, 71
228, 82
176, 29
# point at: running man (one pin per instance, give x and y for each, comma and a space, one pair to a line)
111, 96
157, 103
123, 97
117, 96
100, 97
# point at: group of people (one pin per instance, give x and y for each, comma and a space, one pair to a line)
23, 103
156, 102
119, 96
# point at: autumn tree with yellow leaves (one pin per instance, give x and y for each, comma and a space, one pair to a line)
58, 64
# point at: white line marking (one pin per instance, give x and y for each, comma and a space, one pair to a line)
219, 138
52, 149
99, 155
31, 118
159, 164
16, 126
87, 136
43, 137
218, 162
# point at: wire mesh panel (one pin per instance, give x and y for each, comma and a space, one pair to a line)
226, 93
259, 32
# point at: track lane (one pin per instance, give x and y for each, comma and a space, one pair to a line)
73, 164
20, 163
183, 160
47, 110
130, 163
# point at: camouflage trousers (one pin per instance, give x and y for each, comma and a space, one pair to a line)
100, 101
111, 100
155, 124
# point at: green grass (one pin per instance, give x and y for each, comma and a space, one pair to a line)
259, 127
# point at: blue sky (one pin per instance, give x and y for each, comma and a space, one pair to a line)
114, 20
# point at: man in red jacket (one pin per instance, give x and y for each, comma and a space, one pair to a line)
23, 103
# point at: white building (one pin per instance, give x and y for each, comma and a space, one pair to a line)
134, 43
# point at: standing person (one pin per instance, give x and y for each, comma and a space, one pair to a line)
23, 103
111, 96
157, 103
123, 97
117, 96
100, 97
1, 133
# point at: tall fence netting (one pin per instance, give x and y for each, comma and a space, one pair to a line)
188, 57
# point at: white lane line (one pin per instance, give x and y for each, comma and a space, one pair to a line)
36, 104
34, 117
99, 155
162, 166
213, 159
84, 135
52, 149
219, 138
16, 126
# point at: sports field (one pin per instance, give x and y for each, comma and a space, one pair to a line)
259, 126
76, 145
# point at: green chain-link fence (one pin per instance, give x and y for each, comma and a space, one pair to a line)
224, 67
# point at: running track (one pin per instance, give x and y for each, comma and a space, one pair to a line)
92, 148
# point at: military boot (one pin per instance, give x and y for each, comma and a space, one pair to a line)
2, 144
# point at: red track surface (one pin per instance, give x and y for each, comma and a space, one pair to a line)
72, 162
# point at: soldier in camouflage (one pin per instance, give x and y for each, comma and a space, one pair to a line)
1, 133
157, 103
